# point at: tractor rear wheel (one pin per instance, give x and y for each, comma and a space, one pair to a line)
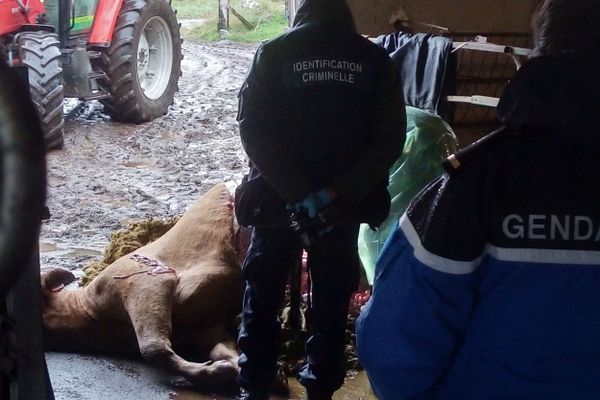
40, 52
143, 62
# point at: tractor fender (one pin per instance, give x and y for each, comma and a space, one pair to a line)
105, 19
13, 16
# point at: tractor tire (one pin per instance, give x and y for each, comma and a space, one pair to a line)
143, 62
40, 52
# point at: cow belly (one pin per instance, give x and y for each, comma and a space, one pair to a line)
208, 298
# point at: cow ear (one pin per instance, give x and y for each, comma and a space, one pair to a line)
55, 279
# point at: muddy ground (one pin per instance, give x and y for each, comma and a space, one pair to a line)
109, 174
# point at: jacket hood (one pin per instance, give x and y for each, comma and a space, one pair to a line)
335, 12
558, 92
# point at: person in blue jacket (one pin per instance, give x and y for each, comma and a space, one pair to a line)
489, 286
322, 119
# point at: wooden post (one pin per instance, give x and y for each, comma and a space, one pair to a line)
223, 15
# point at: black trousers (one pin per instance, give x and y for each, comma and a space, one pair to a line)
334, 276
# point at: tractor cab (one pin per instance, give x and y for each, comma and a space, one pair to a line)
71, 19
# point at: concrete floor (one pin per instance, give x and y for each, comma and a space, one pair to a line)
82, 377
85, 377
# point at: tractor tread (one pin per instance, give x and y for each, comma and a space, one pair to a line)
40, 52
126, 102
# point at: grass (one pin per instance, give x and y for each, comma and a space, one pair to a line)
268, 19
195, 8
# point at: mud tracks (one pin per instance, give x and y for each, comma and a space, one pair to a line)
109, 174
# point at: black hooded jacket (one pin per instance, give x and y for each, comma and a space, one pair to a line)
543, 166
556, 93
322, 106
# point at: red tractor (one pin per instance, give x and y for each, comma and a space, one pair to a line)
125, 53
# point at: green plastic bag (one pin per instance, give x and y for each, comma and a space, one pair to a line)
429, 139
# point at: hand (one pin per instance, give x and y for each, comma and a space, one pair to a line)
315, 201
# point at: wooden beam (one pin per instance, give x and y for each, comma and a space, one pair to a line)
244, 21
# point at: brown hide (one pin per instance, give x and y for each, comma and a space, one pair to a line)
190, 303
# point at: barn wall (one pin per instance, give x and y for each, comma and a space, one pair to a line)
373, 17
478, 73
505, 22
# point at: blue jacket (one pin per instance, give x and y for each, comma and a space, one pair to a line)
489, 286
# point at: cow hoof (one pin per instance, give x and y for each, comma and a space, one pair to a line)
216, 376
225, 371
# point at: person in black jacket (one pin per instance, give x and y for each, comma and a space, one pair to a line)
321, 119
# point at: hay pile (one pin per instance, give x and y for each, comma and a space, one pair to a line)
124, 242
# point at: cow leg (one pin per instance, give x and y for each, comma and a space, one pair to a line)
220, 344
150, 311
217, 343
225, 350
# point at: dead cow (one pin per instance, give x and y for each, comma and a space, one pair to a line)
182, 291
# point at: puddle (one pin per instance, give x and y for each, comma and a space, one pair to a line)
74, 252
47, 247
136, 164
355, 388
84, 252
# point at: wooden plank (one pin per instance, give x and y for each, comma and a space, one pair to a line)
244, 21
